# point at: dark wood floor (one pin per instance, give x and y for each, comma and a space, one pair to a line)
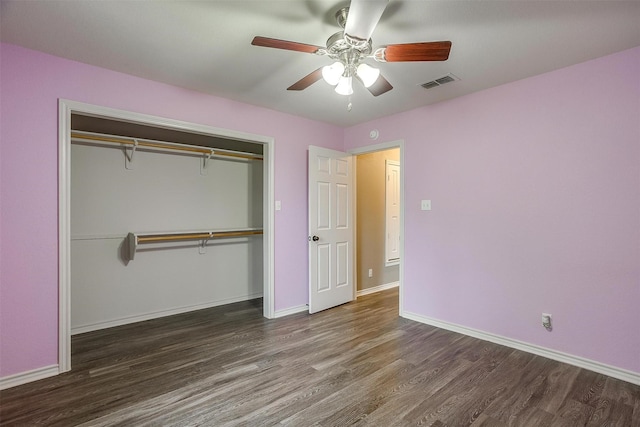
357, 364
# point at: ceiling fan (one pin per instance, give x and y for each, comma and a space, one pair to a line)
350, 48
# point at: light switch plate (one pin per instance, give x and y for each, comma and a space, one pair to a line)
425, 205
278, 205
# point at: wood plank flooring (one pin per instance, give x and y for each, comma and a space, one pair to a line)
357, 364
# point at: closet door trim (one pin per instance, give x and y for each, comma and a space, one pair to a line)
65, 109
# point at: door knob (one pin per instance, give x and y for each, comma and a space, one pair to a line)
315, 238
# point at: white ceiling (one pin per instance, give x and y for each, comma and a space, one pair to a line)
205, 45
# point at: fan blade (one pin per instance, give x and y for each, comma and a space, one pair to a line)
284, 44
427, 51
307, 80
380, 86
363, 17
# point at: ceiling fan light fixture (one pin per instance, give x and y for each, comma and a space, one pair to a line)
332, 73
367, 74
344, 86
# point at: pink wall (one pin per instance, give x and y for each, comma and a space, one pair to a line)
535, 188
31, 83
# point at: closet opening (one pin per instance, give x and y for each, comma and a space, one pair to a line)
158, 217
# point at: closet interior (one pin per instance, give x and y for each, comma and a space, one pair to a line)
163, 221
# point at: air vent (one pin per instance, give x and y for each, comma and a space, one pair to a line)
440, 81
429, 85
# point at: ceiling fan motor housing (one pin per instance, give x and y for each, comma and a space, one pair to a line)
348, 50
340, 49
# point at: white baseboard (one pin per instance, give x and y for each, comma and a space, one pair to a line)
292, 310
156, 314
591, 365
378, 288
29, 376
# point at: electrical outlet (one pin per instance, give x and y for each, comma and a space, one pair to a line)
371, 272
425, 205
546, 321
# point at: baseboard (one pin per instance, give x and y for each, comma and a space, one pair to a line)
157, 314
591, 365
377, 289
292, 310
29, 376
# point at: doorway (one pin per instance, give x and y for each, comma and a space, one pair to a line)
376, 269
377, 221
323, 276
379, 227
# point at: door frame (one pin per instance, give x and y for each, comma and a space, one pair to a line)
372, 149
65, 109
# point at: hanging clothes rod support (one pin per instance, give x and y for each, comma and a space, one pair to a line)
205, 159
202, 249
128, 154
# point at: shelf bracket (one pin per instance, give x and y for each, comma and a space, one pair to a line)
128, 155
202, 249
132, 241
205, 160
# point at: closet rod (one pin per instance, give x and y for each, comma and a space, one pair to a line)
159, 144
194, 236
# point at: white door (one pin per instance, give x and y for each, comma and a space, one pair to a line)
331, 229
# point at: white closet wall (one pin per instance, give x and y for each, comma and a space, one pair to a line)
164, 192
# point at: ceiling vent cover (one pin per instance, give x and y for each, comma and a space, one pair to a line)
440, 81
